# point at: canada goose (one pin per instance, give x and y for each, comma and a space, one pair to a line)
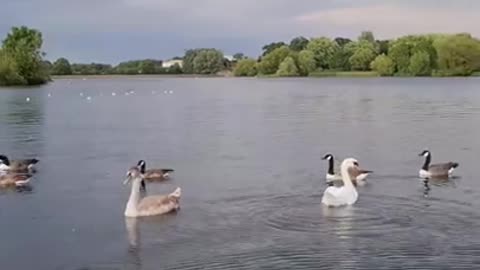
152, 174
356, 175
435, 170
20, 166
14, 180
346, 194
150, 205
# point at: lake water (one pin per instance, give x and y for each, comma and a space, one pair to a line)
247, 154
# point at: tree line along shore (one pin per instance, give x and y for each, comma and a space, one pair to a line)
22, 61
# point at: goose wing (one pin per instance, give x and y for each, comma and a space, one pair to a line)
355, 172
157, 173
156, 205
442, 168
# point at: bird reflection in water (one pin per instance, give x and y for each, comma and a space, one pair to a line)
133, 235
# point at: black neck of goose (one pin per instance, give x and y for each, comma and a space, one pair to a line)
427, 162
330, 166
6, 161
142, 168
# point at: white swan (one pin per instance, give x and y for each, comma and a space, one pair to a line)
150, 205
346, 194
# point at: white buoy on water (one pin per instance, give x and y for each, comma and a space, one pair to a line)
89, 98
81, 94
114, 94
170, 92
49, 95
27, 99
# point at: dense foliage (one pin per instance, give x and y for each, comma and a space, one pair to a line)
21, 60
412, 55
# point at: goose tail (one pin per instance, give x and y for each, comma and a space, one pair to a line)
454, 165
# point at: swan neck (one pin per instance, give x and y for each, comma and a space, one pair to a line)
346, 177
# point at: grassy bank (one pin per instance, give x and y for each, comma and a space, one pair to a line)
345, 74
113, 76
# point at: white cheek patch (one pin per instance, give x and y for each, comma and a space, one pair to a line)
4, 167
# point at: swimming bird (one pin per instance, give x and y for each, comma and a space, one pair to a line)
356, 175
152, 174
346, 194
14, 180
19, 166
439, 170
150, 205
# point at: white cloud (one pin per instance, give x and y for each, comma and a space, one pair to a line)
390, 21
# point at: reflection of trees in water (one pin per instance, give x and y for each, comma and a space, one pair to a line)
21, 122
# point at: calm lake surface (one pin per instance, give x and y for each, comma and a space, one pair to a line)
247, 155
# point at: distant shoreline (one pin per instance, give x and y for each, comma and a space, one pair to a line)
326, 74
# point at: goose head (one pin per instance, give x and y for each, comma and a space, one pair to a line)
328, 157
142, 165
4, 160
425, 153
133, 174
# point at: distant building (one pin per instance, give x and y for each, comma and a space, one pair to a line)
172, 62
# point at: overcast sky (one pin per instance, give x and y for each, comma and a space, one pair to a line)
115, 30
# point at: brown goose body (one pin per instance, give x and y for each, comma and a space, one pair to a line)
19, 165
14, 180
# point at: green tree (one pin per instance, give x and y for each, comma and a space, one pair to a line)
287, 68
238, 56
363, 54
382, 46
175, 69
147, 67
306, 62
271, 61
298, 44
402, 49
420, 64
271, 47
246, 67
188, 59
61, 67
458, 55
367, 36
383, 65
342, 41
8, 71
208, 61
23, 45
323, 49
